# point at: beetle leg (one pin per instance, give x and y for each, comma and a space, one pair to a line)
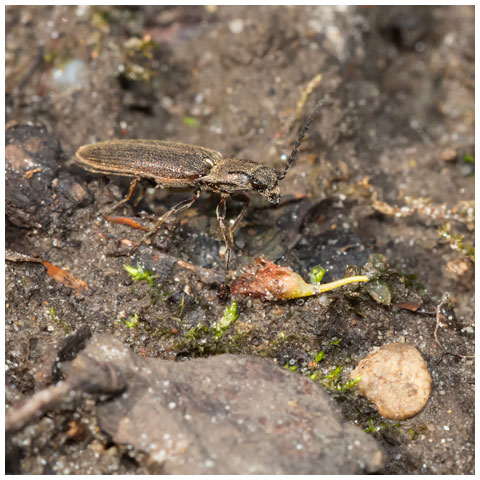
183, 205
245, 200
127, 197
140, 196
221, 212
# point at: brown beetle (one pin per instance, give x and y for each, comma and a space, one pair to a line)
176, 165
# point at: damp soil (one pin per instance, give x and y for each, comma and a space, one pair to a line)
387, 169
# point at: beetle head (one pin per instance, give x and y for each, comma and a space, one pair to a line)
264, 180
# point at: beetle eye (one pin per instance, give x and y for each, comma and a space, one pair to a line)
256, 183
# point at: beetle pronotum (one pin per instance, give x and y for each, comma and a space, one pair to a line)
176, 165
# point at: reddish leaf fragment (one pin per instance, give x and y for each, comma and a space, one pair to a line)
64, 277
413, 307
57, 273
127, 221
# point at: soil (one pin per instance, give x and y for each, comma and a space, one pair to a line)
387, 169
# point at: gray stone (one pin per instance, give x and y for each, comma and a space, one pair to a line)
228, 415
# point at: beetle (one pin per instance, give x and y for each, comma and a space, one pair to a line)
177, 165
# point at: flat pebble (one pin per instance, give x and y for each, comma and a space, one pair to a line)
395, 378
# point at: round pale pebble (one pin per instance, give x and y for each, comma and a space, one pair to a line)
395, 378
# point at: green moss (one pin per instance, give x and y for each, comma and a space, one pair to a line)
413, 433
60, 322
133, 322
139, 273
203, 339
375, 426
191, 122
230, 315
334, 374
350, 384
319, 356
456, 241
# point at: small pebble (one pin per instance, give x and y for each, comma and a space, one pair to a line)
395, 378
74, 74
449, 154
236, 26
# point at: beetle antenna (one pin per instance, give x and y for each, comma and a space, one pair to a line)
301, 135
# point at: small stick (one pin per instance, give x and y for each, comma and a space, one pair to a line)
439, 317
34, 407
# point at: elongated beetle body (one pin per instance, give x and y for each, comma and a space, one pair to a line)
176, 165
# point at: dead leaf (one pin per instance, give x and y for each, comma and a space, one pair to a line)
64, 277
413, 307
57, 273
127, 221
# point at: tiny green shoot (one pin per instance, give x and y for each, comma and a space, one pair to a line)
319, 357
316, 274
350, 383
333, 375
133, 322
191, 122
371, 427
374, 427
331, 381
140, 274
230, 314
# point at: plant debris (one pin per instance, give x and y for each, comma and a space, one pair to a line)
58, 274
129, 222
265, 279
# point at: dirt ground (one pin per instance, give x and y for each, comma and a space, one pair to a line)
387, 168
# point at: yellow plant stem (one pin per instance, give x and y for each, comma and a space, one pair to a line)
339, 283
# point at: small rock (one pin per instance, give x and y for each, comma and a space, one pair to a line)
38, 193
224, 415
395, 378
449, 155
